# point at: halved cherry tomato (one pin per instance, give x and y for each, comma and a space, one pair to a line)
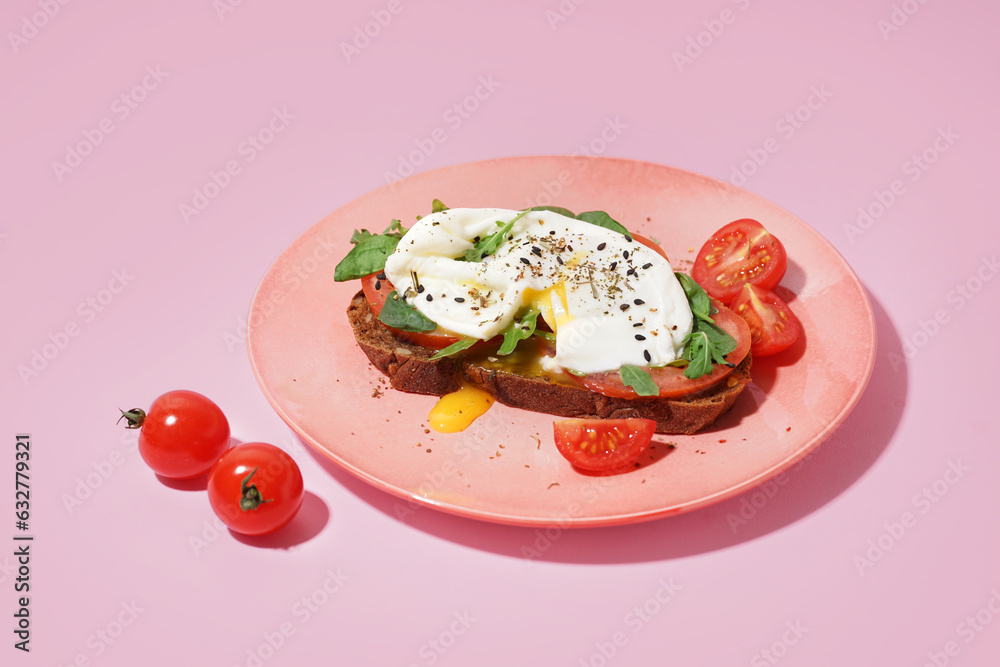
650, 243
255, 488
670, 379
773, 325
377, 291
739, 253
603, 444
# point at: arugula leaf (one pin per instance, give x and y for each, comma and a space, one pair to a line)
367, 256
706, 345
639, 379
437, 206
554, 209
360, 235
454, 348
396, 229
517, 331
398, 314
602, 219
701, 305
491, 243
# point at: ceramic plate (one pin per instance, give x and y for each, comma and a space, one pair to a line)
505, 468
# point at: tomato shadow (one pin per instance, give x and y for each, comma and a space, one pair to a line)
199, 483
821, 477
307, 524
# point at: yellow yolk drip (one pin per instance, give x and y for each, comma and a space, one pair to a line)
551, 303
456, 411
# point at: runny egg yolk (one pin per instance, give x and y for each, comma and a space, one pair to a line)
456, 411
551, 303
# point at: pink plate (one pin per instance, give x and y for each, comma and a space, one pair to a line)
505, 468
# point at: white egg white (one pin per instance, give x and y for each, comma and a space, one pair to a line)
615, 301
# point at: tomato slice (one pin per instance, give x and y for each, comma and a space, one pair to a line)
739, 253
603, 444
670, 379
377, 290
773, 325
651, 244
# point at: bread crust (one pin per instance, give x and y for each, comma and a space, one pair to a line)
409, 368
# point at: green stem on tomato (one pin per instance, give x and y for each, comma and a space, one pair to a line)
250, 498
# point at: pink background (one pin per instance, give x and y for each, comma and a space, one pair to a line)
127, 570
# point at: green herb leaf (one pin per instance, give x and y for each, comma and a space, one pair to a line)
366, 257
701, 305
437, 206
707, 344
396, 229
491, 243
517, 331
554, 209
455, 348
398, 314
602, 219
547, 335
640, 381
360, 235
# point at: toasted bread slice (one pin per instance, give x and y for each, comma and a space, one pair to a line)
410, 368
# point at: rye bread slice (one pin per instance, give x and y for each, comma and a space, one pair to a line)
410, 369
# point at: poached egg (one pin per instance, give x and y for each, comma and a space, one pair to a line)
610, 300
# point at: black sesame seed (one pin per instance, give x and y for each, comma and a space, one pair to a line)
459, 299
624, 307
380, 276
647, 265
637, 324
535, 250
602, 246
430, 298
420, 289
559, 259
640, 337
526, 260
613, 265
625, 254
648, 356
570, 248
630, 272
638, 302
552, 232
378, 284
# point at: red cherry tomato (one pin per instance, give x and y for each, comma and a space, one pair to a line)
773, 325
739, 253
670, 379
603, 444
182, 435
255, 488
